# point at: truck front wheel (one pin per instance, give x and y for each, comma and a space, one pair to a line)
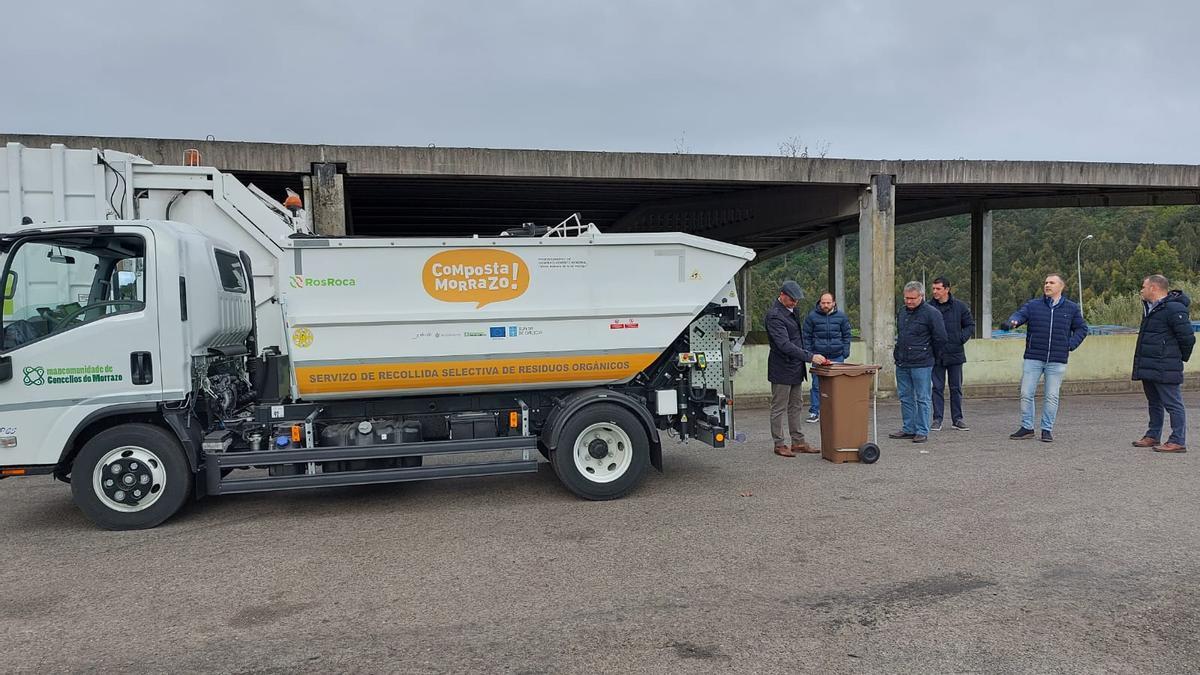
602, 453
130, 477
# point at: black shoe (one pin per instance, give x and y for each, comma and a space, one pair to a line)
1022, 434
936, 426
920, 439
904, 434
961, 426
1046, 437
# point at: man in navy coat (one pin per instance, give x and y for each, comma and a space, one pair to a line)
826, 332
960, 326
1165, 342
1056, 328
786, 371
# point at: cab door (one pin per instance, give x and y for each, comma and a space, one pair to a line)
79, 336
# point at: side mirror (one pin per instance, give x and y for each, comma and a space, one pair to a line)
10, 285
5, 368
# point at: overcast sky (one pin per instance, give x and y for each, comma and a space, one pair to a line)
1101, 80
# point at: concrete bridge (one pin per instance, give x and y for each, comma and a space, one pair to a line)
771, 204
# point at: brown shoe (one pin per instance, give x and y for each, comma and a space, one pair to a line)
784, 451
1170, 447
803, 447
1146, 442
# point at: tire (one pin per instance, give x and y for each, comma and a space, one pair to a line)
125, 460
868, 453
620, 434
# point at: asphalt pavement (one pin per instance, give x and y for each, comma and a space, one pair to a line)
971, 553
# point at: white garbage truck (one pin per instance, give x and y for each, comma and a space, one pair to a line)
170, 333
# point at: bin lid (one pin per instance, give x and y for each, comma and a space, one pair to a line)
848, 369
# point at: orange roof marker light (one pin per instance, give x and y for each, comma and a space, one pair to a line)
292, 202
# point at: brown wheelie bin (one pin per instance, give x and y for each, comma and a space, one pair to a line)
846, 395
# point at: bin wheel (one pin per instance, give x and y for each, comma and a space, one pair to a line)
868, 453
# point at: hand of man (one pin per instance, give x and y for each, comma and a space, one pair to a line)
819, 360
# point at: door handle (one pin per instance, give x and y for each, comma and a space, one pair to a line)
141, 368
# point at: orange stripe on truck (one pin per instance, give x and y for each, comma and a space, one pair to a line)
470, 373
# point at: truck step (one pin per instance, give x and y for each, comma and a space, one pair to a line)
346, 478
238, 460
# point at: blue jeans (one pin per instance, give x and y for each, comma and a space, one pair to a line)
1031, 372
914, 387
1167, 397
814, 397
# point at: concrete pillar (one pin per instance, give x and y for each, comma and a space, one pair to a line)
877, 271
981, 270
329, 201
741, 283
837, 268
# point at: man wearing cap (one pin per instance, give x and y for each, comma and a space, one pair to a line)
786, 371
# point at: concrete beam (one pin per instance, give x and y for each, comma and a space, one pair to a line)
329, 201
390, 160
1105, 199
733, 216
981, 271
834, 230
877, 270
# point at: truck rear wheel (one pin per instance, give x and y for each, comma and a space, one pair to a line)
131, 477
602, 453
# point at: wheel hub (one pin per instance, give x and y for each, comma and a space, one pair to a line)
598, 449
126, 481
602, 452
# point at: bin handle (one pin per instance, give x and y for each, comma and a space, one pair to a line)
874, 410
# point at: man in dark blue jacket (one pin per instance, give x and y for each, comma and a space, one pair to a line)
826, 332
920, 339
1056, 328
960, 326
786, 371
1164, 342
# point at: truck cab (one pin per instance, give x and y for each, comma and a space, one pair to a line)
99, 330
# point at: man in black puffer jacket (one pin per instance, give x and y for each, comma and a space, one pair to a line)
1165, 341
826, 332
960, 326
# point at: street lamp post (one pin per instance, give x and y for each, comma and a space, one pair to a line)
1079, 273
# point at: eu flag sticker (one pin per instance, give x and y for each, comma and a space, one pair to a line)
496, 331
